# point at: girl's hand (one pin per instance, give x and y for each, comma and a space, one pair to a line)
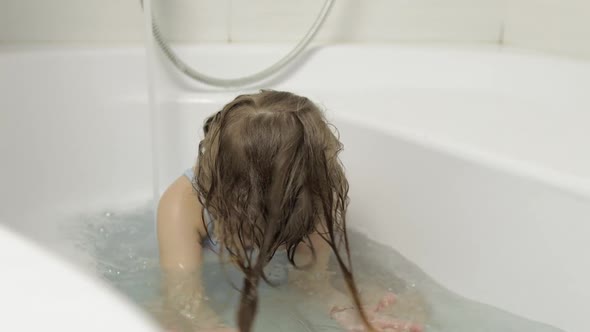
348, 318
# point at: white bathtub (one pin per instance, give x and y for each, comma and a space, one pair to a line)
471, 162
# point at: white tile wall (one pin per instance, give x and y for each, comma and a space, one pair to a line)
561, 26
70, 20
271, 20
251, 20
193, 20
554, 25
110, 20
369, 20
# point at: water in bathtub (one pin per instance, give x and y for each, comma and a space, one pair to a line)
122, 246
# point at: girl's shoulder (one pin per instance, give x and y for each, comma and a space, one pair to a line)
179, 207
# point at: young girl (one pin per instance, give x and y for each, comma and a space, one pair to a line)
267, 180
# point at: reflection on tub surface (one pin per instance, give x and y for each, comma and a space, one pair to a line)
123, 249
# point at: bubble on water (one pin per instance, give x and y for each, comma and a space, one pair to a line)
124, 247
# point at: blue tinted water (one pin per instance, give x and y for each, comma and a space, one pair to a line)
123, 250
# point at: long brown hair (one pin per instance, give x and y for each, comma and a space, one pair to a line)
268, 172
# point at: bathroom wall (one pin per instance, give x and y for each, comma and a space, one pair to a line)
108, 21
31, 21
561, 26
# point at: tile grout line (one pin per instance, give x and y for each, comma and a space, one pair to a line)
229, 21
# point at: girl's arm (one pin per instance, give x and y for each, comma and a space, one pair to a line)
315, 279
180, 227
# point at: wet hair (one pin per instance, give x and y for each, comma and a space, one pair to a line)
268, 172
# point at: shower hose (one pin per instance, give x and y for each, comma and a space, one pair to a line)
245, 80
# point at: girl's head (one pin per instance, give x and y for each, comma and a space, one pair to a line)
269, 174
